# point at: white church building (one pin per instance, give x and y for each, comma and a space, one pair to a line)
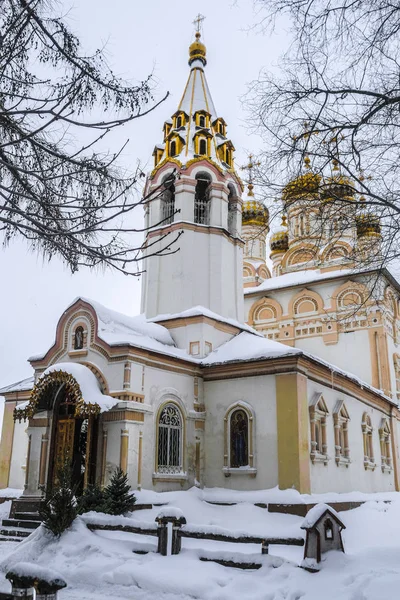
232, 376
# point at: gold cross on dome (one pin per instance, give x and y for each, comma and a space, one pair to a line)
198, 21
250, 166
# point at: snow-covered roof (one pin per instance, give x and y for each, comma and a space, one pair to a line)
297, 278
21, 386
196, 311
315, 514
247, 346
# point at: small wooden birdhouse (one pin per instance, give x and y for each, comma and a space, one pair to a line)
324, 533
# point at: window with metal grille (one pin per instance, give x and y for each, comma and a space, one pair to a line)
168, 201
170, 440
202, 199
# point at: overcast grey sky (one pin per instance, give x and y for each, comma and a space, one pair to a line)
141, 37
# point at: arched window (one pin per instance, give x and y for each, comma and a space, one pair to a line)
179, 122
168, 200
172, 148
202, 199
169, 454
239, 439
367, 430
227, 156
202, 121
78, 338
203, 147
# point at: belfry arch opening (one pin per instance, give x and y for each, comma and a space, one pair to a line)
202, 199
168, 200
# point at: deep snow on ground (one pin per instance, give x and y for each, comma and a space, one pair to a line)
102, 564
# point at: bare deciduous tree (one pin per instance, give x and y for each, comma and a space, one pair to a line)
336, 100
57, 188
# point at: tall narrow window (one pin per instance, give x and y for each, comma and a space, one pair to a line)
78, 338
231, 209
239, 442
202, 121
227, 156
367, 430
384, 438
203, 147
179, 122
202, 199
169, 456
221, 129
341, 432
172, 148
318, 413
168, 201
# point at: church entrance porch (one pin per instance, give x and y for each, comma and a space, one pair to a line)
63, 429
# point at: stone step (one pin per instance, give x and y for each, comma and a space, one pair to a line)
25, 504
15, 532
27, 516
20, 523
5, 538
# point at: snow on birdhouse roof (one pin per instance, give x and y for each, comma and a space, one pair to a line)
316, 513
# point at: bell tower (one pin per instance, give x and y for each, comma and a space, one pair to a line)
194, 197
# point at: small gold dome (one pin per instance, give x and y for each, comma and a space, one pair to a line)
279, 240
338, 186
368, 225
197, 51
254, 213
301, 187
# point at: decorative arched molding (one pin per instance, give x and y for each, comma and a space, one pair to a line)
346, 295
367, 431
99, 375
303, 300
248, 270
56, 379
301, 254
343, 249
250, 450
207, 166
391, 302
263, 272
267, 304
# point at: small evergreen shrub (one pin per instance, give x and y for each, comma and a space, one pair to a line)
59, 509
93, 498
118, 499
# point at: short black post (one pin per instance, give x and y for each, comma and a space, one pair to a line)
49, 590
176, 521
264, 547
21, 587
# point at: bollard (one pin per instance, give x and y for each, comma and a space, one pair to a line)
175, 517
264, 547
21, 587
49, 591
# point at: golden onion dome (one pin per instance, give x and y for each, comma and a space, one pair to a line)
302, 187
338, 186
254, 212
368, 225
197, 51
279, 240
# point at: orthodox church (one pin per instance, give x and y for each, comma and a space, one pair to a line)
233, 376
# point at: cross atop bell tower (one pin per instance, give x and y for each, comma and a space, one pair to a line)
196, 192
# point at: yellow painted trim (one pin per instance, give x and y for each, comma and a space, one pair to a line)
6, 446
292, 426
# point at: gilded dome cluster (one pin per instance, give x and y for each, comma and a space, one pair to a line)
301, 187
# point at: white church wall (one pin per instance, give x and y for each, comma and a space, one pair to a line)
199, 332
354, 477
260, 394
18, 459
351, 353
